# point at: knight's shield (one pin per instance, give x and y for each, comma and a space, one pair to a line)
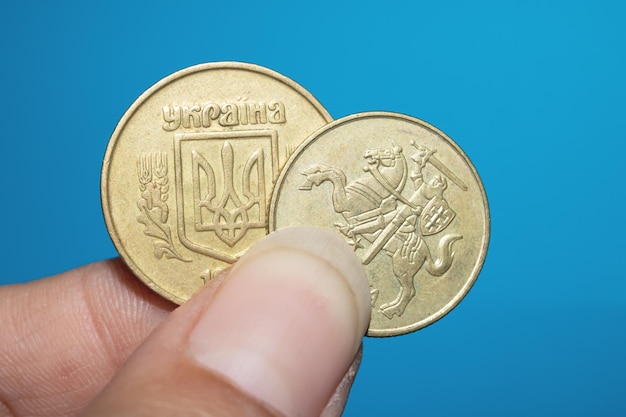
223, 187
436, 216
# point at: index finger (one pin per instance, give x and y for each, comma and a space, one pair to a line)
62, 338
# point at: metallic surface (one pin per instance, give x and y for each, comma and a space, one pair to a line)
189, 171
407, 199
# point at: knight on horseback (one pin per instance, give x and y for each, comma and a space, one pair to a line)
375, 210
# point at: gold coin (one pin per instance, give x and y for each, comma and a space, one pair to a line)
190, 168
406, 198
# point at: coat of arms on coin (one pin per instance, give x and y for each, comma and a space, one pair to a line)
189, 171
408, 201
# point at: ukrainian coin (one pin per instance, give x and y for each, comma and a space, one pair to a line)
190, 168
406, 198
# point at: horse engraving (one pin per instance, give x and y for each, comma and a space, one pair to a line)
365, 193
377, 217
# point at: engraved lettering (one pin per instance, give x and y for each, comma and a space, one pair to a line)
226, 114
276, 112
243, 113
171, 115
230, 115
210, 112
209, 274
258, 113
191, 116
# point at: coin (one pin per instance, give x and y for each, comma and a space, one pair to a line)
189, 170
406, 198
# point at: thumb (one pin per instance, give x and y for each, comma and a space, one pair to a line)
275, 337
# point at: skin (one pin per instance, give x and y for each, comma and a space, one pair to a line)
96, 341
63, 340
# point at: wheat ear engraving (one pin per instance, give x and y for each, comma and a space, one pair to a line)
154, 187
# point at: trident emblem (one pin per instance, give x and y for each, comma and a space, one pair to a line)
229, 214
222, 185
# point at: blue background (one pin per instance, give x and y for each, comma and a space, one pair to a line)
532, 91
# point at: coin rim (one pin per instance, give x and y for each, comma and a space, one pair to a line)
121, 125
487, 232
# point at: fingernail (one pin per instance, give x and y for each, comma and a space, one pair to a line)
287, 321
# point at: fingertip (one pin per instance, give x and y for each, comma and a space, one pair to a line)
290, 318
281, 330
328, 248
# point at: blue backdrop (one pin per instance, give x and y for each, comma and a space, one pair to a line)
532, 91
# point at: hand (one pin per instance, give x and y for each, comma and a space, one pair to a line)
277, 334
422, 156
388, 204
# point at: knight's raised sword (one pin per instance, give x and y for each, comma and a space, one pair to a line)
447, 172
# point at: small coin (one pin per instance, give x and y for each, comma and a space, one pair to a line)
406, 198
190, 168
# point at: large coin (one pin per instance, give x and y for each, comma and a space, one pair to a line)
189, 171
406, 198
